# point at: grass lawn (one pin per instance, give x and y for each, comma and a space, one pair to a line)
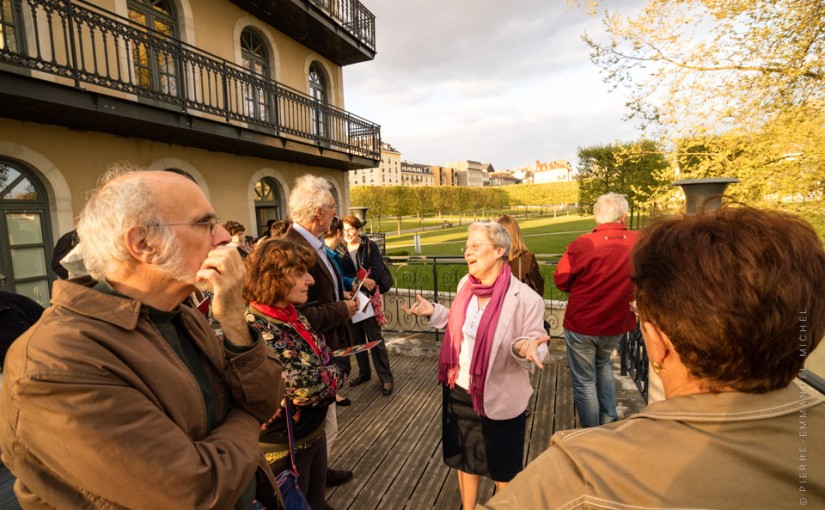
542, 235
389, 225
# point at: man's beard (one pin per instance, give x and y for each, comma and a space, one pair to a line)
175, 269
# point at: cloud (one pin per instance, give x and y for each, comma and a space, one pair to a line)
499, 82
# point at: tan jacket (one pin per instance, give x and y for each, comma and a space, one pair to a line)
727, 450
97, 410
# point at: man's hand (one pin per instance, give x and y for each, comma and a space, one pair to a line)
223, 271
421, 308
527, 349
352, 306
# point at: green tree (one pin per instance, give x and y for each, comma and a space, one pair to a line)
397, 202
712, 63
421, 200
638, 170
736, 86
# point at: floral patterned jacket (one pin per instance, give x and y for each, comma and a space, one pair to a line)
311, 382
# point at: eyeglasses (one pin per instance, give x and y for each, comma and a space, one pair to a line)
212, 222
474, 247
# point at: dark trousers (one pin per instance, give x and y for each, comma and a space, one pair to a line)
367, 331
312, 471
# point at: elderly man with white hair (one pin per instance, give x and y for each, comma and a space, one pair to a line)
595, 270
121, 396
312, 207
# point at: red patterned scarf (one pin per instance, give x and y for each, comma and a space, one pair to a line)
450, 347
290, 316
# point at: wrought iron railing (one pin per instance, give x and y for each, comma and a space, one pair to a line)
634, 362
89, 45
353, 16
436, 279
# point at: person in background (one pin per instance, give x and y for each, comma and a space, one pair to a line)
522, 262
17, 314
237, 231
63, 247
276, 281
312, 208
494, 337
276, 229
730, 304
121, 397
332, 241
595, 270
363, 253
267, 232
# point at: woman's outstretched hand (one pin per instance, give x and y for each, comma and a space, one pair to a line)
527, 349
421, 308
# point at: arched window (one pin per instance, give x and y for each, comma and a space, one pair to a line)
156, 69
11, 33
25, 236
318, 91
269, 198
256, 61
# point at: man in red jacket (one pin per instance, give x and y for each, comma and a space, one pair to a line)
595, 270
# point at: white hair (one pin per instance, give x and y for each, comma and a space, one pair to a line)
610, 208
308, 194
122, 200
495, 232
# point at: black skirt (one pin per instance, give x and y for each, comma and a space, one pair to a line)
478, 445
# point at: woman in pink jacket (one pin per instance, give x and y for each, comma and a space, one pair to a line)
494, 336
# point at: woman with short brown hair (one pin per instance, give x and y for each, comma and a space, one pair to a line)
277, 280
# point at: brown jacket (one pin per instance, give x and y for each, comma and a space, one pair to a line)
326, 315
727, 450
97, 410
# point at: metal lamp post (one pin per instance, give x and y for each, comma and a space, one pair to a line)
697, 191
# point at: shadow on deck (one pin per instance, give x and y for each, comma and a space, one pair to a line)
393, 444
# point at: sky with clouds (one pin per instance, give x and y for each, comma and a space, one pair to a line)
501, 82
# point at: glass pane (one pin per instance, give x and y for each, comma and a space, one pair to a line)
23, 190
28, 262
8, 175
37, 290
137, 17
264, 192
24, 229
163, 28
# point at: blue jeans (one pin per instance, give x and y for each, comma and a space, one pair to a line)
594, 389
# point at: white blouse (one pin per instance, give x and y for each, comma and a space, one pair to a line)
469, 331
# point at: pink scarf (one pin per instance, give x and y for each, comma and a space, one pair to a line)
450, 347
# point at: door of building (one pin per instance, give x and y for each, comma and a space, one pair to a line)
25, 236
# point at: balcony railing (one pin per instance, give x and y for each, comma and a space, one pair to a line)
436, 278
353, 16
88, 45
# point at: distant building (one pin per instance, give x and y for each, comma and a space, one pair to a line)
470, 173
387, 174
502, 179
414, 174
553, 171
444, 176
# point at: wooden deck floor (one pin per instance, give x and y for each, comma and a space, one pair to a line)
393, 444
